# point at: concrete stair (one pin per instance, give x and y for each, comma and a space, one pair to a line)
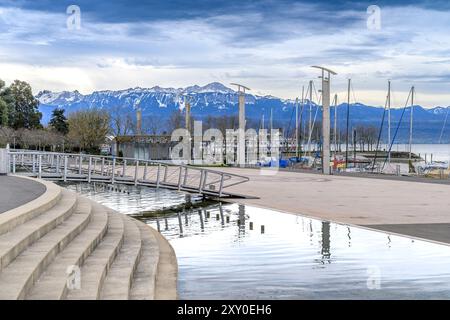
97, 265
113, 256
119, 278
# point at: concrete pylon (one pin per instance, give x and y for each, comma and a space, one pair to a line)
138, 121
4, 164
326, 154
242, 122
187, 106
187, 120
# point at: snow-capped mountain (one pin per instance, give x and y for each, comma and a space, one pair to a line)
215, 99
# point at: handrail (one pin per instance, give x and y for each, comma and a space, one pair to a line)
86, 167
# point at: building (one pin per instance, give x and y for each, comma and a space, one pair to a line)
146, 147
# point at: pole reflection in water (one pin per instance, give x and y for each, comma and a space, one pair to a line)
202, 225
349, 237
325, 242
241, 221
180, 224
221, 214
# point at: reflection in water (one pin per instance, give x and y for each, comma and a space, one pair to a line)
296, 257
241, 221
131, 199
326, 242
349, 237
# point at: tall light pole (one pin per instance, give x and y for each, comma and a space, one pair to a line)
326, 78
389, 122
241, 131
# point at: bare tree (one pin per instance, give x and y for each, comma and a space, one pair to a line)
88, 129
7, 135
175, 121
151, 124
122, 122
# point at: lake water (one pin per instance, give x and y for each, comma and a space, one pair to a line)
223, 253
440, 152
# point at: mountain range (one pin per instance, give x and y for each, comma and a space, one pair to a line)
215, 99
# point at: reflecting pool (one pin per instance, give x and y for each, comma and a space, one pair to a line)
228, 251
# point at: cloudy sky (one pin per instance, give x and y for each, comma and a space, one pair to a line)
267, 45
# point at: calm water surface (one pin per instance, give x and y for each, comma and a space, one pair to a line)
223, 254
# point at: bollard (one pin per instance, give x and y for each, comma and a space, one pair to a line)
157, 224
251, 225
167, 224
228, 219
217, 216
262, 229
397, 169
208, 214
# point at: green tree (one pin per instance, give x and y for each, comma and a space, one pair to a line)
24, 111
3, 113
88, 128
4, 109
58, 122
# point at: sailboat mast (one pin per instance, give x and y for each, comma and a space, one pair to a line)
310, 115
411, 123
389, 122
301, 115
296, 127
348, 123
271, 120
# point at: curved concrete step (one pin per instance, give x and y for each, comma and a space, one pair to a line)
144, 280
52, 285
18, 216
95, 268
118, 280
21, 237
20, 275
167, 272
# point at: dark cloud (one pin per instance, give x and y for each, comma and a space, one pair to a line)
126, 11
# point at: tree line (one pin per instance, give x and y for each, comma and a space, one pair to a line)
20, 123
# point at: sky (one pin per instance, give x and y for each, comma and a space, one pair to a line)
267, 45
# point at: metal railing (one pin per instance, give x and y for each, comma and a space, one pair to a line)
108, 169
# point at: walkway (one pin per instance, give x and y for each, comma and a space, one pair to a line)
15, 192
410, 208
